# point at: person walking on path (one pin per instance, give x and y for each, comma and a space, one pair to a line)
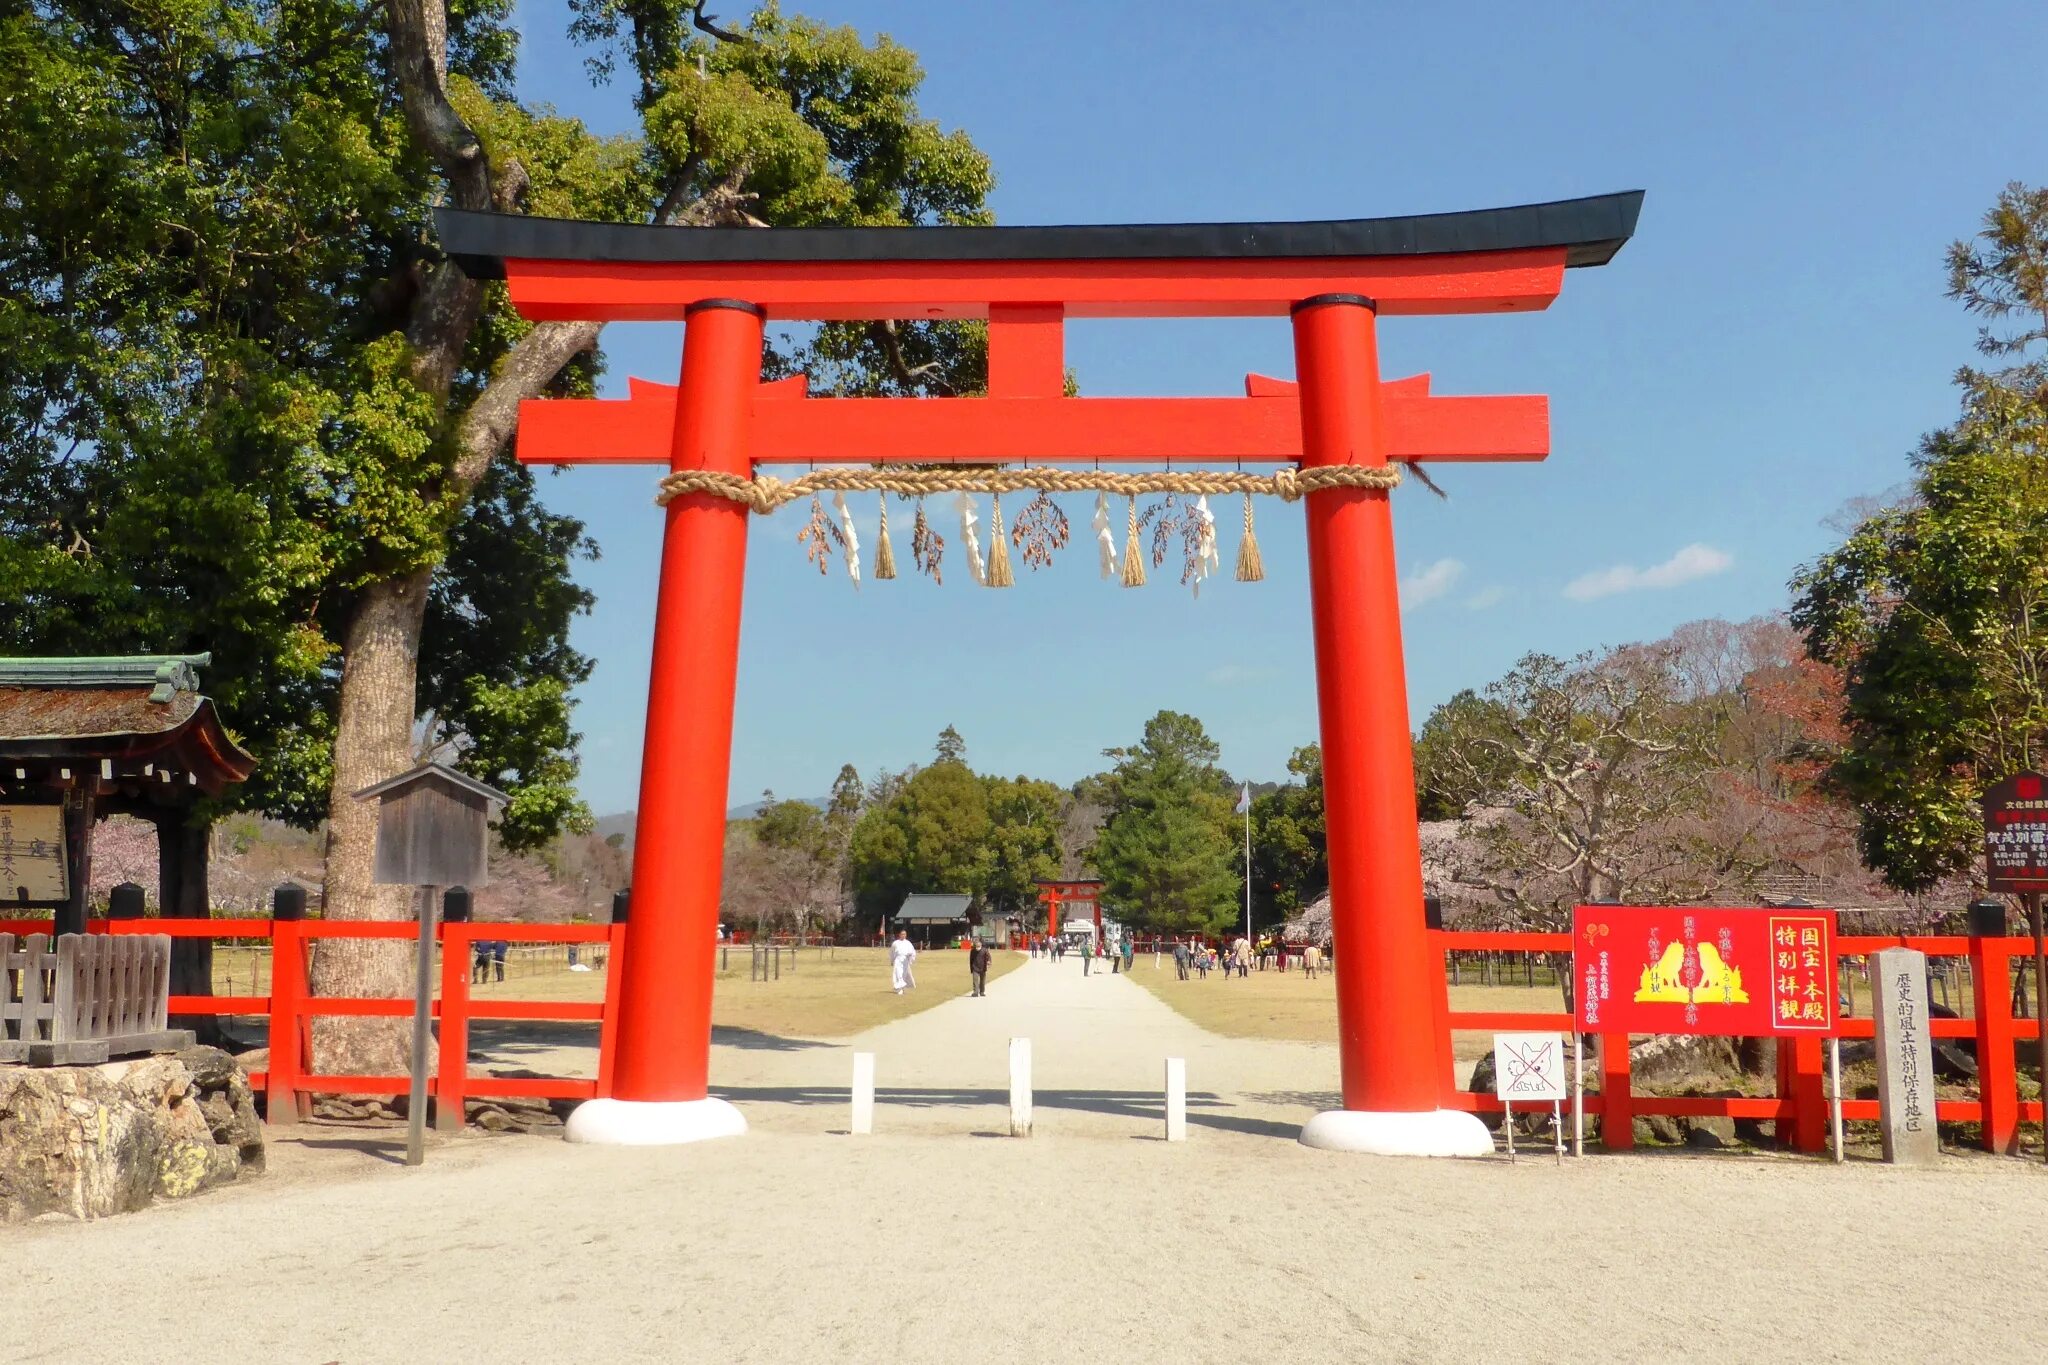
1180, 960
1130, 953
1087, 955
1116, 958
901, 954
977, 965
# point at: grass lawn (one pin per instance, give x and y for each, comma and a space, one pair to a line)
1271, 1005
838, 992
1289, 1006
823, 992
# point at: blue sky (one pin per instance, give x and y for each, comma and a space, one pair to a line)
1770, 345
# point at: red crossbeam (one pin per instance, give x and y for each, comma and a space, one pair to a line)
789, 428
609, 291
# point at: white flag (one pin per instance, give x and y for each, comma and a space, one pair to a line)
1244, 799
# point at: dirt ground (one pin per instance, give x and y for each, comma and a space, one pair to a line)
941, 1239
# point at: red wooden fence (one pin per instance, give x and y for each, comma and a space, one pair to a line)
1800, 1106
289, 1083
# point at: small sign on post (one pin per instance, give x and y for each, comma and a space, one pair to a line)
433, 830
1905, 1057
1530, 1067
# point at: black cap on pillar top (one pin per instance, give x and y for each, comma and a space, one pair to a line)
125, 902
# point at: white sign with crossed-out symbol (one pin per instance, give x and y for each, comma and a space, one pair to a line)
1529, 1067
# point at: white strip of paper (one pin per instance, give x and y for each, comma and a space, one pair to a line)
1104, 541
1207, 560
968, 522
852, 538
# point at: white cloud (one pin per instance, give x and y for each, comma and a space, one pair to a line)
1486, 597
1430, 582
1693, 562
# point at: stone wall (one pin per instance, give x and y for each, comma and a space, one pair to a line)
88, 1141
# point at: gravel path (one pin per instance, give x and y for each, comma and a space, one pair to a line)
1092, 1241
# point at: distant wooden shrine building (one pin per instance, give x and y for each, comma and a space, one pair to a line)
82, 739
924, 913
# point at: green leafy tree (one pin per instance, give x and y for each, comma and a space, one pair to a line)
930, 836
1023, 846
1167, 853
1290, 845
249, 406
1936, 609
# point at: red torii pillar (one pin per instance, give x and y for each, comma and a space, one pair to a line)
1335, 279
1385, 976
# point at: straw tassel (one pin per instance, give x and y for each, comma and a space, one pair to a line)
1250, 567
885, 554
1134, 563
999, 575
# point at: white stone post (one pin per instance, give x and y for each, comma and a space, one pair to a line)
1176, 1099
1020, 1087
863, 1093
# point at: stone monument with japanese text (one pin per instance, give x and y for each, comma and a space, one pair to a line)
1905, 1057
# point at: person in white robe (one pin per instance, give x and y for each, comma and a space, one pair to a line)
901, 954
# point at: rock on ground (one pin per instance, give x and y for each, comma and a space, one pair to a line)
89, 1141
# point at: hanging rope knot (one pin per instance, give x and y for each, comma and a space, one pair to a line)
1286, 485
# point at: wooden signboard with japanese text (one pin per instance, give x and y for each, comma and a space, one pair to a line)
1709, 970
2016, 834
33, 867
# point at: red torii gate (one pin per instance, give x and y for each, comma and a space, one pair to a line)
1335, 279
1058, 897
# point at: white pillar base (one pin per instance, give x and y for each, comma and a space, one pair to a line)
1437, 1132
649, 1123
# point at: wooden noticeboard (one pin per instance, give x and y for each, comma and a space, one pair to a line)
33, 867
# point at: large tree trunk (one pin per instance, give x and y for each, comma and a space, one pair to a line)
373, 741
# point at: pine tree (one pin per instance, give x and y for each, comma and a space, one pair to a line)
1166, 853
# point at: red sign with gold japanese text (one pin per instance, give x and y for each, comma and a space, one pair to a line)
1689, 969
2016, 834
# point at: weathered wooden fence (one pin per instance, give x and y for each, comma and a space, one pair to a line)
289, 1082
84, 998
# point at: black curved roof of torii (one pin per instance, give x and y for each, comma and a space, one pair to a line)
1591, 230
